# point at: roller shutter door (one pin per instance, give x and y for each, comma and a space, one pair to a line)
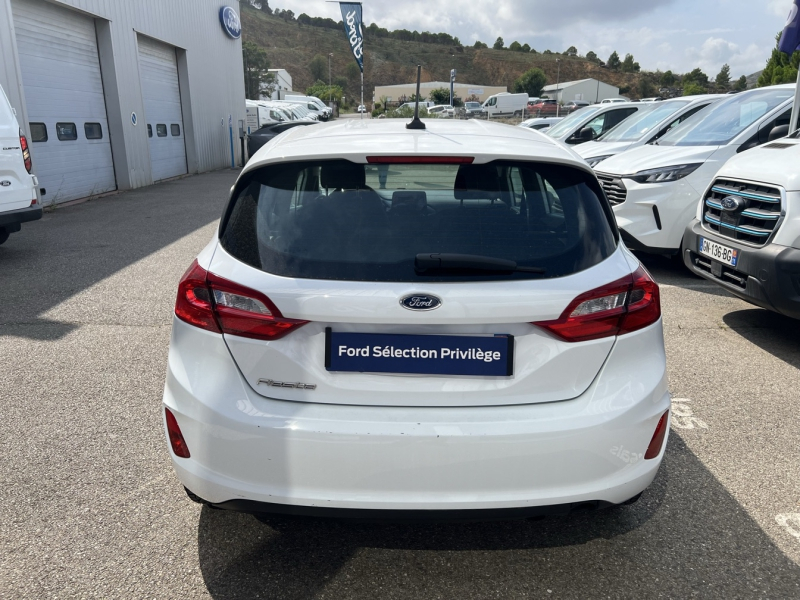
158, 69
64, 95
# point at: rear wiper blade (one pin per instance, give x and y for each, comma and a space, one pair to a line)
468, 262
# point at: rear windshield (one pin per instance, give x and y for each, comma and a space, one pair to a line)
344, 221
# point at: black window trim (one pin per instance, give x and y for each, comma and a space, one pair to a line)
44, 126
158, 129
60, 124
86, 133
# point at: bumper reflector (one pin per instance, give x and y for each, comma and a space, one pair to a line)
176, 440
654, 449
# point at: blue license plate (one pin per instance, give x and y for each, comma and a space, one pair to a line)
484, 356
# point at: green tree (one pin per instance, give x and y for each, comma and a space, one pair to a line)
499, 44
531, 82
319, 68
696, 76
781, 68
479, 45
571, 51
645, 88
668, 79
440, 96
323, 91
741, 84
515, 46
629, 65
723, 79
256, 76
592, 57
693, 89
613, 61
526, 48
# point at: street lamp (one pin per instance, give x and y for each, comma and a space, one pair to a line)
558, 81
329, 78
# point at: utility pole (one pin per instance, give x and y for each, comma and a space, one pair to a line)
329, 78
558, 81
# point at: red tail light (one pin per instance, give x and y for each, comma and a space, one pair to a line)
26, 153
215, 304
176, 440
654, 449
620, 307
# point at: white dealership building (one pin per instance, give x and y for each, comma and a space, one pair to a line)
118, 94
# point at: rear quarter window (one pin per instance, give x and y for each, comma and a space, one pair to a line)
345, 221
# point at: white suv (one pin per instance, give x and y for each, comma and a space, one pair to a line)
18, 199
746, 234
416, 322
655, 188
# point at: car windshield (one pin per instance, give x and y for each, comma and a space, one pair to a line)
368, 222
568, 124
640, 124
722, 122
473, 104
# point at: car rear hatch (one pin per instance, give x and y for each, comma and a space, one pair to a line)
341, 254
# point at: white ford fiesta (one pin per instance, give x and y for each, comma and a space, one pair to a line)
416, 323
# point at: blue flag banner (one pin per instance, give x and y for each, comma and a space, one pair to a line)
351, 17
790, 38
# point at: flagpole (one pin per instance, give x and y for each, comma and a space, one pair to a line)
793, 126
362, 93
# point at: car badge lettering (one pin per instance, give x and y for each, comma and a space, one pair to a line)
732, 203
420, 302
290, 385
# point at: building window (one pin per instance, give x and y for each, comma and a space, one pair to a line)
161, 130
149, 130
93, 131
175, 129
66, 131
38, 132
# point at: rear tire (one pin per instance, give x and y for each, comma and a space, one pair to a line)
4, 234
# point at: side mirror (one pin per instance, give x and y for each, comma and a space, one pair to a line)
778, 132
586, 134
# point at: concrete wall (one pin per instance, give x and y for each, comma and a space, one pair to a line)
209, 71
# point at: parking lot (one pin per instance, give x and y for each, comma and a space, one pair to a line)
90, 506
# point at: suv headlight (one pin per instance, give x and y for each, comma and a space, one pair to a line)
594, 160
664, 174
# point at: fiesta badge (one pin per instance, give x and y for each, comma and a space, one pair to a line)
420, 302
230, 22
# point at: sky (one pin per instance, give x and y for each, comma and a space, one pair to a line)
676, 35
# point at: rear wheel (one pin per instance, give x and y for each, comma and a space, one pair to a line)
4, 235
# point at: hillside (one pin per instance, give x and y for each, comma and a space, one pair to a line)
292, 46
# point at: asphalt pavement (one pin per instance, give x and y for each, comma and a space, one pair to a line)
90, 508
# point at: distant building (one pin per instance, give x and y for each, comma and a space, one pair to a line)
588, 90
404, 91
283, 81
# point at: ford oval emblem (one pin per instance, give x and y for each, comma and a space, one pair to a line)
420, 302
230, 22
5, 183
731, 203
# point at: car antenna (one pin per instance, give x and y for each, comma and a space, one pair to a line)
416, 123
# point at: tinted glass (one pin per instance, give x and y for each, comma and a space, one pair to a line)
161, 130
175, 129
569, 123
725, 120
346, 221
643, 122
38, 132
149, 130
93, 131
66, 131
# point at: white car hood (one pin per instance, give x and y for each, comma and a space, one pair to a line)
646, 157
592, 149
771, 165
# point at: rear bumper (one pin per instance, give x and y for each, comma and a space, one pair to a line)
12, 219
767, 277
260, 455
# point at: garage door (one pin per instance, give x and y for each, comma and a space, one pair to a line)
158, 69
66, 106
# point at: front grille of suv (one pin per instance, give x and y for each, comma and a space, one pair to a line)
614, 188
754, 221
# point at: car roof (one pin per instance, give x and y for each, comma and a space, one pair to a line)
356, 139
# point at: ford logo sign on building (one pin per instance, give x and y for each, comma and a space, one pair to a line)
420, 302
230, 22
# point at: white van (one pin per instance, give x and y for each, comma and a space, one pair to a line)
654, 189
505, 105
258, 114
647, 125
19, 202
746, 233
314, 104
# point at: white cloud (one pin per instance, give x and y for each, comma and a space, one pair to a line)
716, 52
779, 8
